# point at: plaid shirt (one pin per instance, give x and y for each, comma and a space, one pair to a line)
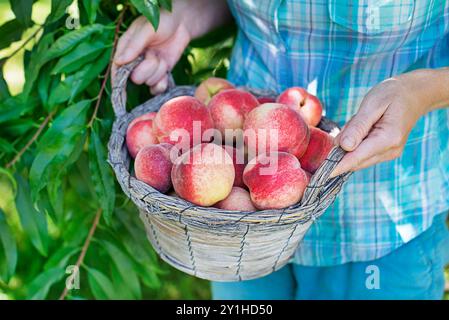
339, 49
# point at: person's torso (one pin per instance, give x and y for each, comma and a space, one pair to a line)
338, 50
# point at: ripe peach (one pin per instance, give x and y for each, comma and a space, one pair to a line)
320, 145
238, 200
146, 116
275, 181
306, 104
274, 127
210, 87
229, 108
153, 166
140, 133
204, 175
182, 120
238, 159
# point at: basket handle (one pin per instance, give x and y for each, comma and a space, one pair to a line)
321, 181
118, 95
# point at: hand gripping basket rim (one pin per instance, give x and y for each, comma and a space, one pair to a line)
319, 194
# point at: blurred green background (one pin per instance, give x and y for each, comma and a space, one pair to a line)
46, 212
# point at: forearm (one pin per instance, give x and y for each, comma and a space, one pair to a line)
201, 16
429, 86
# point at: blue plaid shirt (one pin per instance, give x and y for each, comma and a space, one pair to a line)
339, 49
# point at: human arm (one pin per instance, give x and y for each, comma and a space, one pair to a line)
387, 115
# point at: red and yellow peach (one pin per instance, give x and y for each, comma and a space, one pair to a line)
275, 181
204, 175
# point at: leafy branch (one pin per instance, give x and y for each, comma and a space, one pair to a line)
32, 36
108, 70
84, 249
31, 141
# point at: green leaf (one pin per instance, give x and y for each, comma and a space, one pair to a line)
68, 41
166, 4
57, 145
39, 287
37, 61
22, 10
43, 86
91, 8
58, 9
150, 9
33, 222
215, 36
14, 107
61, 257
102, 288
6, 146
125, 268
19, 127
4, 91
8, 252
84, 53
101, 174
75, 83
10, 32
9, 180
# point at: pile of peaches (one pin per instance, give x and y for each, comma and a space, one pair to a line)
225, 148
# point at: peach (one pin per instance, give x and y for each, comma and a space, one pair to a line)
238, 200
146, 116
238, 159
303, 102
230, 107
140, 133
210, 87
204, 175
275, 127
264, 99
153, 166
275, 181
182, 120
320, 145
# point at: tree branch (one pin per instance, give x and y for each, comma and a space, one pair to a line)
86, 245
24, 43
108, 70
30, 142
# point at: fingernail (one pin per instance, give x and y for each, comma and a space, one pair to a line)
348, 143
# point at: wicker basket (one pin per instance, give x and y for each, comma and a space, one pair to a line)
211, 243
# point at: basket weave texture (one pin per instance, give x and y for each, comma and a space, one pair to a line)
211, 243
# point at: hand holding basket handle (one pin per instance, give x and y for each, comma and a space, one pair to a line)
207, 242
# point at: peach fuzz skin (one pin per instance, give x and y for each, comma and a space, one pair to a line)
146, 116
238, 200
229, 108
140, 133
153, 166
291, 132
281, 188
303, 102
320, 144
210, 87
239, 164
204, 175
177, 117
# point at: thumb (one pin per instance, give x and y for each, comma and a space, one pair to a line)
360, 124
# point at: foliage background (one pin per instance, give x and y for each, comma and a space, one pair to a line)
59, 203
54, 127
